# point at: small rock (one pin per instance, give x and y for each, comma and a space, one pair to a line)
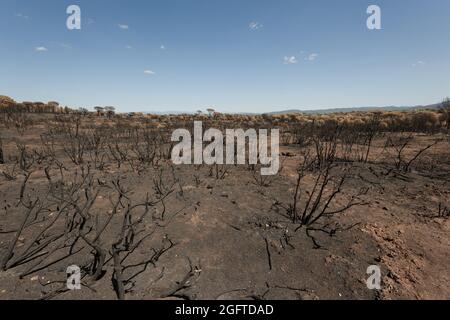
288, 154
393, 276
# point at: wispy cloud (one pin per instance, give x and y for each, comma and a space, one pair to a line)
40, 49
254, 25
312, 56
149, 72
21, 15
418, 64
290, 60
128, 47
124, 26
163, 47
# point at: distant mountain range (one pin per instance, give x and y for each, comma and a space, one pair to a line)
318, 111
362, 109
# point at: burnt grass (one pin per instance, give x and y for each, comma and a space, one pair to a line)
103, 194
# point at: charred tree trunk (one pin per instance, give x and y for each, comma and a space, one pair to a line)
2, 160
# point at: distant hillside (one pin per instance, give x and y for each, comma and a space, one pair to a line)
363, 109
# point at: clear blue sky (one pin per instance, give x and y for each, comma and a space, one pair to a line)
213, 56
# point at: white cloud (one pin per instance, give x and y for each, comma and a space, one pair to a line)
290, 60
123, 26
312, 57
40, 49
163, 47
418, 64
254, 25
20, 15
149, 72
